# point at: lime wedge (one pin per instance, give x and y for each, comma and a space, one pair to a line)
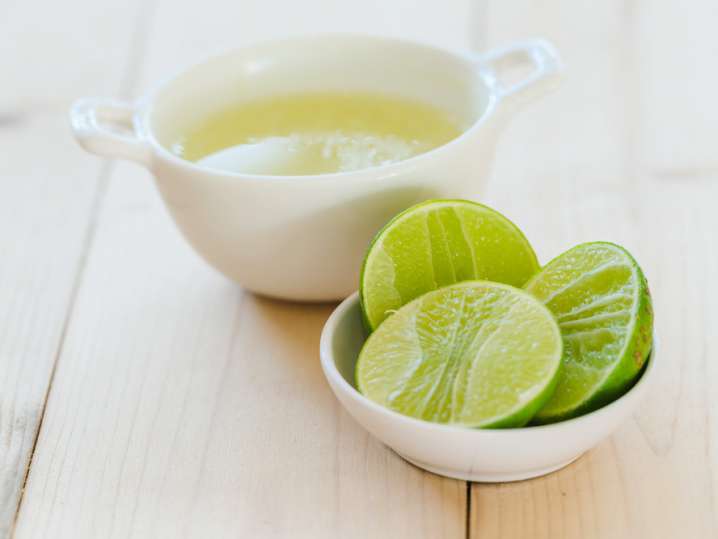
601, 301
474, 354
438, 243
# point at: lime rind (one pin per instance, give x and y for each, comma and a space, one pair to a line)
589, 382
501, 347
458, 259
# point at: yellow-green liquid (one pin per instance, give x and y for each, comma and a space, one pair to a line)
316, 133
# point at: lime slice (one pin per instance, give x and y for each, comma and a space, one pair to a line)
438, 243
601, 301
475, 354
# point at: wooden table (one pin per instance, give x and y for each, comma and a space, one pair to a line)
143, 395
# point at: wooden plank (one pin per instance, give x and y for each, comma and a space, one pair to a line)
182, 406
48, 189
590, 168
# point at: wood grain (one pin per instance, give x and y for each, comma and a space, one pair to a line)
181, 406
184, 407
48, 192
607, 157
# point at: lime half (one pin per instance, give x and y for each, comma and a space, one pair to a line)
601, 301
475, 354
438, 243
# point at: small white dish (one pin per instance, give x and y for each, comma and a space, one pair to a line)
471, 454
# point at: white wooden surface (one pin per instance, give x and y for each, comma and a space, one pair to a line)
177, 405
628, 158
49, 193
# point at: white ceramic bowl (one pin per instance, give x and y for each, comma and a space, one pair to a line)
303, 238
470, 454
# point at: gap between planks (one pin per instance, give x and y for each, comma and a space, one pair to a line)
478, 42
102, 180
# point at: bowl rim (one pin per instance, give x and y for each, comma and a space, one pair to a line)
336, 380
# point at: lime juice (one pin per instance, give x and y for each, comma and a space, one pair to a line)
316, 133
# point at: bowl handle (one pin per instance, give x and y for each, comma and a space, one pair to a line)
106, 127
539, 55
